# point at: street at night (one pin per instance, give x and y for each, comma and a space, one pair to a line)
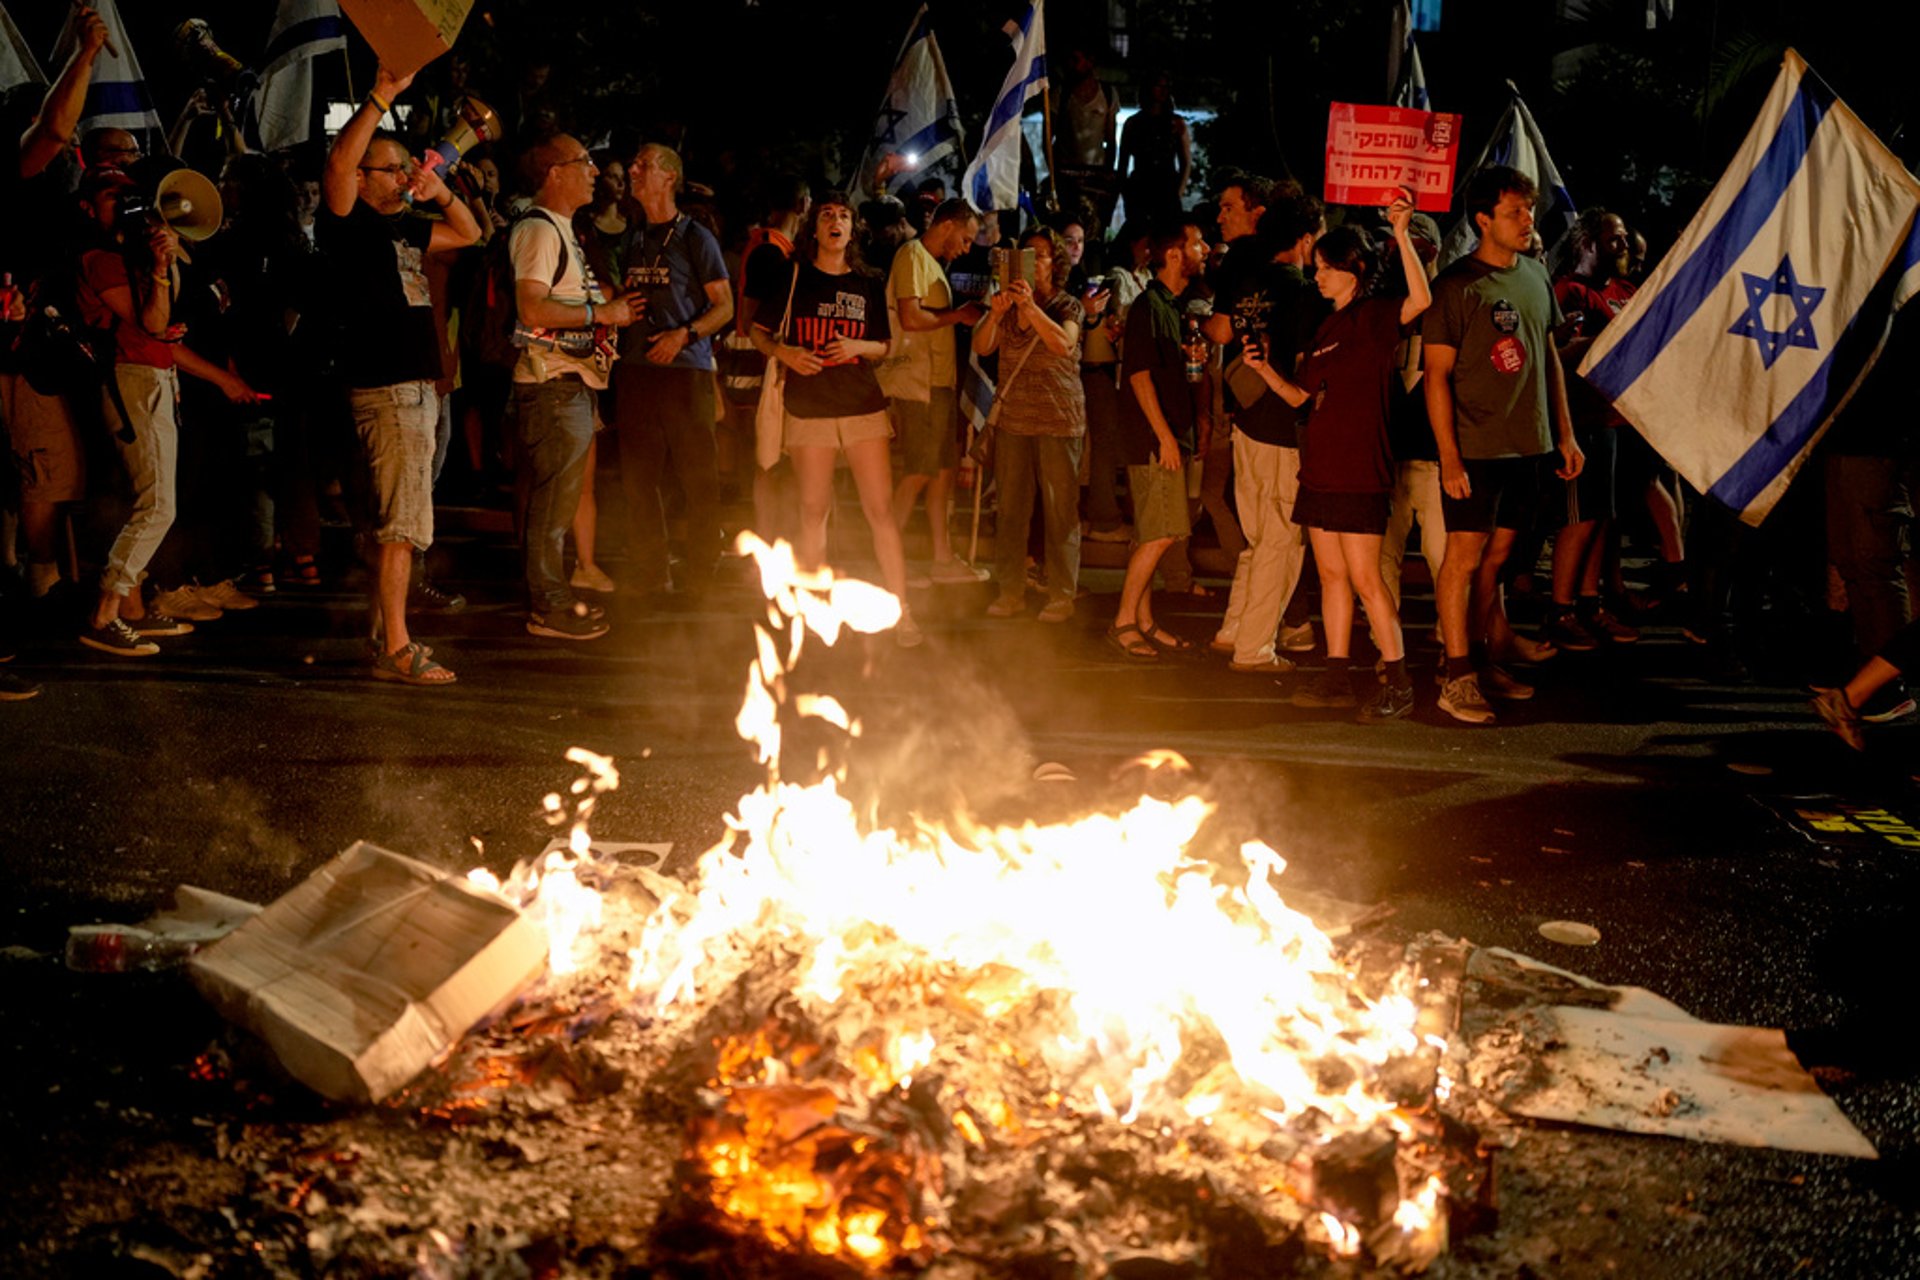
1634, 795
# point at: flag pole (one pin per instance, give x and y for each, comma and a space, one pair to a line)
1046, 142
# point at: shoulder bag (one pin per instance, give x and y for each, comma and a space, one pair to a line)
769, 418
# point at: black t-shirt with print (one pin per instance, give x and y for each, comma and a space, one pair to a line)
851, 305
1350, 376
383, 318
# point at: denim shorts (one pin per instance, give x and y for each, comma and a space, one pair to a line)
396, 426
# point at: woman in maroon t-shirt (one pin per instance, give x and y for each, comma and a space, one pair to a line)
1346, 469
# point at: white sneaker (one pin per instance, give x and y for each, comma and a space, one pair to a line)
184, 602
1298, 639
223, 595
955, 570
1461, 699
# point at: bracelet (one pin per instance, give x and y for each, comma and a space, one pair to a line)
374, 98
589, 313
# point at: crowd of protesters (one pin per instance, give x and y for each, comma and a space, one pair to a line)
362, 320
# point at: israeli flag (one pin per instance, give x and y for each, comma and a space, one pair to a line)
117, 96
976, 395
302, 31
919, 119
1755, 329
16, 60
993, 179
1406, 78
1517, 143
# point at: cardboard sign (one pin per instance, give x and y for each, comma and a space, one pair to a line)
1374, 151
408, 34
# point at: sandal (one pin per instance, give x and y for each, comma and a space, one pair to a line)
411, 665
1161, 638
306, 572
1137, 649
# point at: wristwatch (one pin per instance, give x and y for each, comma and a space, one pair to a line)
693, 334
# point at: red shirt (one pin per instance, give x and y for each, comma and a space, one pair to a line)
101, 270
1593, 307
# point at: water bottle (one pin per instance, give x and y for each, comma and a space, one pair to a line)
123, 948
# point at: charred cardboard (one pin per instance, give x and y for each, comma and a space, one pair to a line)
408, 34
369, 970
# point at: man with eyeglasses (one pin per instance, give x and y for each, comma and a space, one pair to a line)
564, 362
374, 240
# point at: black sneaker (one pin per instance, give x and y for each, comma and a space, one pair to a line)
17, 688
426, 595
1568, 632
1329, 689
570, 622
117, 638
1389, 702
155, 625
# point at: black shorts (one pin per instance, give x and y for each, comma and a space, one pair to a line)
1341, 512
1505, 494
1590, 495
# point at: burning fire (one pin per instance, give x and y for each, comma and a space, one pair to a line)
1114, 975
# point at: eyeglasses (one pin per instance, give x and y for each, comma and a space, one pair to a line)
392, 170
576, 160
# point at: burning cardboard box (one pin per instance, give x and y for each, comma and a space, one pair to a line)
370, 970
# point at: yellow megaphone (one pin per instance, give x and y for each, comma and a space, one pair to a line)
188, 203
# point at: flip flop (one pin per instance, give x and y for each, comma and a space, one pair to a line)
412, 665
1137, 649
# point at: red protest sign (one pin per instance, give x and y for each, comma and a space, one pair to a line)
1374, 151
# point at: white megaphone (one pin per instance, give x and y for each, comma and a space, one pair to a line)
187, 202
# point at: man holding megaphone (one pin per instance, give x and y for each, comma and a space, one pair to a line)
127, 288
386, 351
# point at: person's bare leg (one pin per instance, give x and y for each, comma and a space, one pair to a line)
106, 608
1336, 592
813, 469
905, 494
1362, 554
1136, 600
1454, 591
1487, 607
393, 571
1570, 549
586, 516
38, 525
939, 499
873, 480
1869, 680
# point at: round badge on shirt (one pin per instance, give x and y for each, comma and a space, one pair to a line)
1509, 355
1505, 318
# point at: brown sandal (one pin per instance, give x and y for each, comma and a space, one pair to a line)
411, 665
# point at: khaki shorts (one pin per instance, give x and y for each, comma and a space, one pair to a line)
1159, 503
396, 425
46, 443
836, 433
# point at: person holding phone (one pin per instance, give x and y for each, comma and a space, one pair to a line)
1041, 417
1345, 382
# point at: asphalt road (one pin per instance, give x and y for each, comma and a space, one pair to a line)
1632, 794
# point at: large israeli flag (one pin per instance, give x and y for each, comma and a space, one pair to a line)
993, 179
117, 96
302, 31
1516, 143
919, 120
1757, 326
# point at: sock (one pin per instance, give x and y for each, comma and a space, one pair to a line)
1397, 677
1588, 606
1476, 655
41, 576
1561, 609
1458, 667
1339, 666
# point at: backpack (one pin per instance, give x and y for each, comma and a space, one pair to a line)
491, 312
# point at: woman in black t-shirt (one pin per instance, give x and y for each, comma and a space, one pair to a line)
827, 323
1346, 470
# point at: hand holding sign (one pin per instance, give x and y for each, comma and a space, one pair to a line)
1374, 154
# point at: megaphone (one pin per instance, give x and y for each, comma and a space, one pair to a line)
190, 204
193, 42
474, 124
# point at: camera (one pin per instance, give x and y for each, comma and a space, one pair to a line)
1010, 265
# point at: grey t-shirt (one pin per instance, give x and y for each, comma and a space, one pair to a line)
1500, 322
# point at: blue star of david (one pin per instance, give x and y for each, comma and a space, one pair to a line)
1798, 333
889, 131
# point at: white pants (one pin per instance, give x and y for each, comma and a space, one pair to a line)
151, 459
1266, 481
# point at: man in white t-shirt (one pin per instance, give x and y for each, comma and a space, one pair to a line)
565, 356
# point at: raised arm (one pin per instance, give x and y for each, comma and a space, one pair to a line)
53, 127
